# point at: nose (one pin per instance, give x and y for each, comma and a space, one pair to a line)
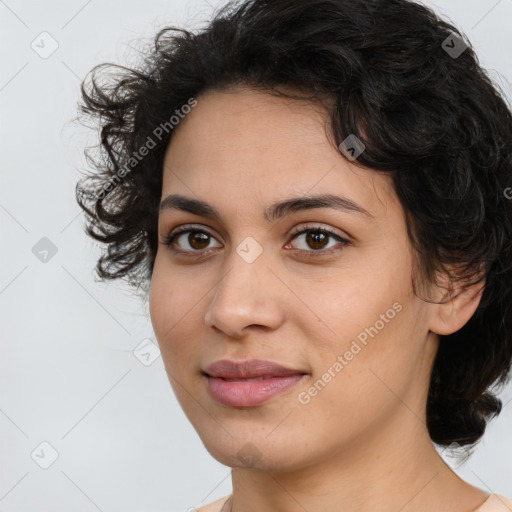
249, 295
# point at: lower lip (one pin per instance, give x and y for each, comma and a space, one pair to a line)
249, 393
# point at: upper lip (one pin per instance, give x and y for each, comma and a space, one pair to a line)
253, 368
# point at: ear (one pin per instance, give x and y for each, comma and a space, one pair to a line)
457, 304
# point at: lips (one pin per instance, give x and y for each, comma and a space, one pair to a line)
249, 383
254, 369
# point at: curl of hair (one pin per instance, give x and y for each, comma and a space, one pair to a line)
436, 123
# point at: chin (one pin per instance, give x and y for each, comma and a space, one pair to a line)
254, 451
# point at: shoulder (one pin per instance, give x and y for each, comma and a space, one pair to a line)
214, 506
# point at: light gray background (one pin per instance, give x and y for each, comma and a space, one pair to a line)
68, 372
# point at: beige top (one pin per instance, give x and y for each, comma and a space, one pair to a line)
494, 503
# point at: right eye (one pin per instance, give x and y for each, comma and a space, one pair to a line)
197, 240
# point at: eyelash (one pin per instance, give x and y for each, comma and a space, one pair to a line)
169, 240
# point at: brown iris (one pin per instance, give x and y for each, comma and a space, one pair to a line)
316, 240
201, 239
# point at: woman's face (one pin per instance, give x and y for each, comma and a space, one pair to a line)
245, 287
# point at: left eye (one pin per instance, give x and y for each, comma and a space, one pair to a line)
198, 240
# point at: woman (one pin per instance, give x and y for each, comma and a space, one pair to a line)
315, 198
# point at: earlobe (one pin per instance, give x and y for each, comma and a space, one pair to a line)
456, 306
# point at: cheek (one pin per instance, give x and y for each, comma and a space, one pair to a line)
165, 304
175, 314
366, 337
159, 301
356, 385
357, 300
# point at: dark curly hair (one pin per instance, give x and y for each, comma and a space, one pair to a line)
404, 81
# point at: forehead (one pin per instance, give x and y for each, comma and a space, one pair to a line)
246, 147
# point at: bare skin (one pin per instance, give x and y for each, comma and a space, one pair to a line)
360, 444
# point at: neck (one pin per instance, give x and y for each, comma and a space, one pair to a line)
383, 471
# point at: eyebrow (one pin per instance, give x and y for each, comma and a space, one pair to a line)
273, 212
